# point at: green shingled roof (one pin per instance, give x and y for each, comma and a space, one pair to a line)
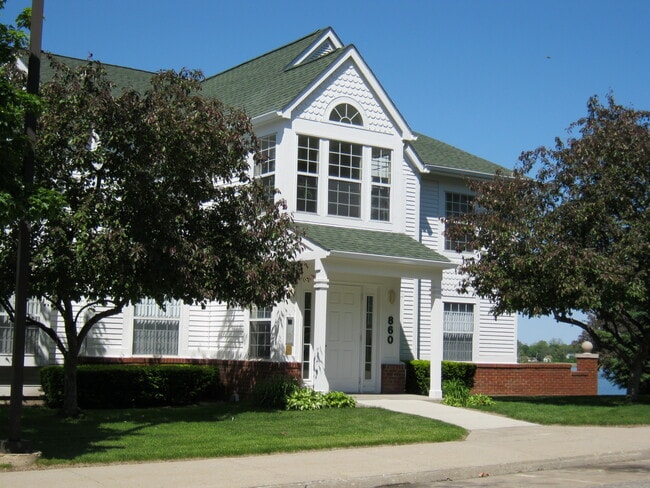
439, 154
371, 242
123, 78
269, 83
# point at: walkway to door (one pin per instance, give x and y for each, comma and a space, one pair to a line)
425, 407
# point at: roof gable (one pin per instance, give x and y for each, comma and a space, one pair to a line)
271, 81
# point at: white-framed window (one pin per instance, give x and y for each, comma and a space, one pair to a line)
458, 331
380, 175
32, 332
259, 338
307, 329
307, 180
344, 185
346, 114
265, 167
457, 204
155, 328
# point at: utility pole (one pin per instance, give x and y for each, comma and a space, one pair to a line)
15, 443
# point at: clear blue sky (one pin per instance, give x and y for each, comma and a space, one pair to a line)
493, 77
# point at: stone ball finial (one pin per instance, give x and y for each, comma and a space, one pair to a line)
587, 347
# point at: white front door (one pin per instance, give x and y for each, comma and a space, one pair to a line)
343, 350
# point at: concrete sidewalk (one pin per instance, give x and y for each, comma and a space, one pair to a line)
490, 448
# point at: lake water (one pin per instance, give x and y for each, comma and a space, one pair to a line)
607, 388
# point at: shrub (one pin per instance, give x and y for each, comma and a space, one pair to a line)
338, 399
454, 393
273, 392
480, 400
417, 374
305, 399
117, 386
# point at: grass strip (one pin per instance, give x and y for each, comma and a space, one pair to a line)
216, 430
588, 410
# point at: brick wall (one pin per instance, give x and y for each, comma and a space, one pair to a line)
538, 379
393, 378
235, 376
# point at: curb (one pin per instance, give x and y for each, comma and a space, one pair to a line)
465, 473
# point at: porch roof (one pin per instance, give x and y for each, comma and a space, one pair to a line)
369, 243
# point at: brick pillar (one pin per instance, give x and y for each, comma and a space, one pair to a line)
587, 364
393, 378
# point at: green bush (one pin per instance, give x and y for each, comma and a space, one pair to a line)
454, 393
273, 392
417, 374
452, 370
480, 400
307, 399
338, 399
118, 386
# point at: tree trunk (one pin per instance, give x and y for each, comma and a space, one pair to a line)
634, 378
70, 403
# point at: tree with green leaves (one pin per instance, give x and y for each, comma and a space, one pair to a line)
150, 196
575, 237
14, 102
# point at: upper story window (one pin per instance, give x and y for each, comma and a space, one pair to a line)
346, 114
457, 204
307, 182
344, 185
155, 328
380, 193
265, 167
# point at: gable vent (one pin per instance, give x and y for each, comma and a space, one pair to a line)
325, 48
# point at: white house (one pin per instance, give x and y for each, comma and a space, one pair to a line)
370, 194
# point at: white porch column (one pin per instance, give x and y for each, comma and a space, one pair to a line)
437, 336
321, 285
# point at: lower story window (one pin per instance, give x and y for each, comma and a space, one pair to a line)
259, 342
32, 335
306, 337
155, 328
458, 331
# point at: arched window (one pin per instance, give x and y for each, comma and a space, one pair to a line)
346, 114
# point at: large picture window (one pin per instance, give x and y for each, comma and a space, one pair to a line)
344, 186
457, 204
307, 184
458, 331
259, 341
155, 328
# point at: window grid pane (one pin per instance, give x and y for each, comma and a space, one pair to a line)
368, 346
259, 343
457, 204
307, 194
346, 114
344, 198
306, 337
155, 328
458, 325
380, 203
265, 168
345, 160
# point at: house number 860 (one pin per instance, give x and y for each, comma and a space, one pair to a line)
390, 330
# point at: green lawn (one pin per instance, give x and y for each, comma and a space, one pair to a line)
108, 436
593, 410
